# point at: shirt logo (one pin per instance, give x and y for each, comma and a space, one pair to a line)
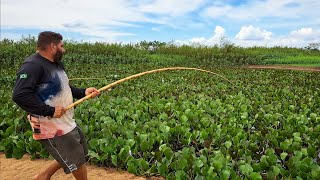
23, 76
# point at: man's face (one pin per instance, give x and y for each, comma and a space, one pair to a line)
57, 56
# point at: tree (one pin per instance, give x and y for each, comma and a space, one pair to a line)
313, 46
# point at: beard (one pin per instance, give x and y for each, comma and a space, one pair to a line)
58, 56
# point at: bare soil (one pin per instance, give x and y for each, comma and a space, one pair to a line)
298, 68
25, 168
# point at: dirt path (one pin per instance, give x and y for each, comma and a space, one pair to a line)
25, 169
313, 69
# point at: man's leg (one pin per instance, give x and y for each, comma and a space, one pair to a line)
70, 151
48, 172
81, 173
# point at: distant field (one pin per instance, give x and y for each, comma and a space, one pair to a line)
306, 61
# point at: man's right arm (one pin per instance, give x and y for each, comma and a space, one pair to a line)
24, 95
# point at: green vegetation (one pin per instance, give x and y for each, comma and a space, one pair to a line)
296, 60
166, 54
183, 124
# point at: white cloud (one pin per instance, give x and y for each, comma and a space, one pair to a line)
155, 29
97, 18
172, 7
250, 36
86, 17
306, 34
218, 34
113, 20
257, 11
298, 38
217, 11
253, 33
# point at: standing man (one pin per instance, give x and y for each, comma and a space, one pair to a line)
42, 89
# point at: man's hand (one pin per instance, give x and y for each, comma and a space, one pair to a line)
58, 111
93, 91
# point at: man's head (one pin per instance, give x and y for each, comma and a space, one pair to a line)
51, 44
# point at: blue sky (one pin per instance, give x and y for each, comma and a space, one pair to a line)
246, 23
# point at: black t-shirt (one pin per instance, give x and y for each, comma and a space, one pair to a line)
39, 85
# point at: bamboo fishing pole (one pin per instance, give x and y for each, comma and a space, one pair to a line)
137, 75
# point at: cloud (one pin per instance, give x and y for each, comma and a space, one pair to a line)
258, 11
124, 20
250, 36
218, 34
107, 20
253, 33
297, 38
305, 34
98, 19
171, 7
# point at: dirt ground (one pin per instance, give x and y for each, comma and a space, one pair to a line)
24, 169
285, 67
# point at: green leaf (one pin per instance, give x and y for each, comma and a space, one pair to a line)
162, 147
93, 143
44, 153
164, 128
255, 176
124, 152
93, 154
199, 163
311, 151
10, 130
168, 152
228, 144
315, 172
246, 169
244, 115
199, 177
286, 144
130, 142
283, 155
183, 119
181, 175
313, 116
2, 147
114, 160
226, 174
16, 121
183, 163
132, 166
217, 164
18, 153
20, 144
143, 137
143, 164
276, 170
144, 145
162, 169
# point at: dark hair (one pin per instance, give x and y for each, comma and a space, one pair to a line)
45, 38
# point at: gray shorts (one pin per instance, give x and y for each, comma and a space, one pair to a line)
69, 150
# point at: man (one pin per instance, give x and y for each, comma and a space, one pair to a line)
42, 89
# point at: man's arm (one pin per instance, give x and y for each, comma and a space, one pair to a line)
24, 90
78, 92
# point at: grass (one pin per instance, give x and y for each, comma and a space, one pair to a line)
305, 61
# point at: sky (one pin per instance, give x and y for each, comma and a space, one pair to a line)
246, 23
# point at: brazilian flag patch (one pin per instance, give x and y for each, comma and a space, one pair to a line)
23, 76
